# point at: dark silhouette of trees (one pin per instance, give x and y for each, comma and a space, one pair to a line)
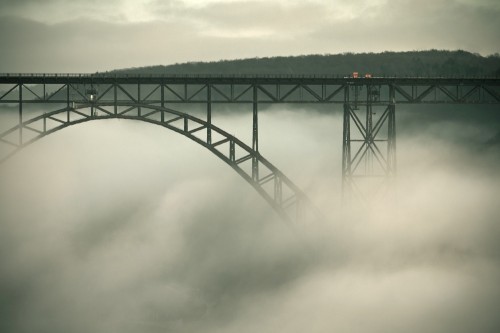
432, 63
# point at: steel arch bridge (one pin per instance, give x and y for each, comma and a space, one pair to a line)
46, 103
277, 189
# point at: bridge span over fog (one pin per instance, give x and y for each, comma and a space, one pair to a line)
46, 103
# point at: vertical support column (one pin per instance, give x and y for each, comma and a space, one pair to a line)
20, 114
67, 103
162, 101
115, 96
139, 98
278, 193
232, 156
255, 135
92, 100
209, 113
346, 146
369, 130
356, 96
391, 135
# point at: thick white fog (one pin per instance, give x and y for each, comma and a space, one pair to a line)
121, 226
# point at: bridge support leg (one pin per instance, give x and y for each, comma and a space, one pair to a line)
255, 135
139, 111
391, 135
346, 154
278, 191
369, 134
232, 156
162, 101
346, 148
20, 114
115, 97
67, 103
368, 168
209, 113
92, 100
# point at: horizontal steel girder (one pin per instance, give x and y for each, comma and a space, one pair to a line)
270, 89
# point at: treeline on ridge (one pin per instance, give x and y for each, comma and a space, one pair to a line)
432, 63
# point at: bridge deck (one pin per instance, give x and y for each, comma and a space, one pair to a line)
62, 78
240, 88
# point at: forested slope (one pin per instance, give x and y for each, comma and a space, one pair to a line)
415, 63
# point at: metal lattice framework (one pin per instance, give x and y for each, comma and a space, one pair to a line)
228, 148
369, 128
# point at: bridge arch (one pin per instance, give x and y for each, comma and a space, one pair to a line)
276, 188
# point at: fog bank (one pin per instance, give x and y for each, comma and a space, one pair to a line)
120, 226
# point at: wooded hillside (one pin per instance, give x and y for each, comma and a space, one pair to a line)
415, 63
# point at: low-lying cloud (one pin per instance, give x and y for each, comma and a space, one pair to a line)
117, 226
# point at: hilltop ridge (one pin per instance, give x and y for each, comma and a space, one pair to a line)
411, 63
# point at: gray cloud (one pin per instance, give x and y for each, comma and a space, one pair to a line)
168, 32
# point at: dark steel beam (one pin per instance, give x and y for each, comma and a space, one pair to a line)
20, 114
209, 113
255, 134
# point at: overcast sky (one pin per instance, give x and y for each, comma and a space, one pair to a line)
91, 35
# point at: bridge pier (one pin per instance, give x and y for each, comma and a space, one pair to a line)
255, 134
370, 168
20, 114
68, 111
209, 113
139, 111
346, 148
391, 144
115, 98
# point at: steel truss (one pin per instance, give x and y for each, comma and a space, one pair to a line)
367, 151
367, 159
273, 89
277, 189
